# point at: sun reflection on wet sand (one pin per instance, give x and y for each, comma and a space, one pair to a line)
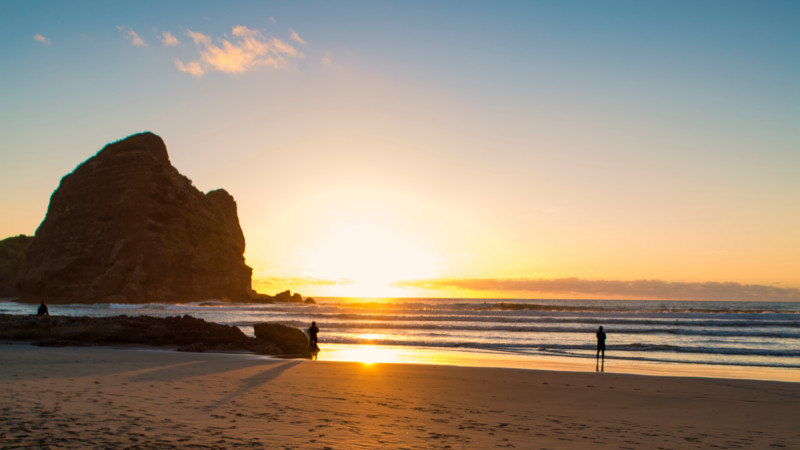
371, 354
366, 354
375, 354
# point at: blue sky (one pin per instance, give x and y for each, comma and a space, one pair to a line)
605, 141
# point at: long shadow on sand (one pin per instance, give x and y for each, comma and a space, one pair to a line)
157, 365
198, 368
254, 382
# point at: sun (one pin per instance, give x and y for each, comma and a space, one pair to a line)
368, 258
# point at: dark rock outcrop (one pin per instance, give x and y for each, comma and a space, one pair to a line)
187, 333
280, 297
126, 227
255, 297
288, 297
12, 251
291, 341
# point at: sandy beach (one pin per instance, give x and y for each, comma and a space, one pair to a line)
137, 398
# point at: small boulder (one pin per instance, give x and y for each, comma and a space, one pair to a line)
310, 301
255, 297
291, 341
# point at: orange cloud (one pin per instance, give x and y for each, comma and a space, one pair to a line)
640, 289
296, 37
282, 283
40, 38
132, 36
193, 68
247, 50
168, 39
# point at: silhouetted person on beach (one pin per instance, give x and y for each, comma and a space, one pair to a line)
43, 311
312, 337
601, 348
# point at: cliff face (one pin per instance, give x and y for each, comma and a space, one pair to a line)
126, 226
11, 254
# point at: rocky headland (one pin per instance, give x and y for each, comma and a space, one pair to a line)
126, 227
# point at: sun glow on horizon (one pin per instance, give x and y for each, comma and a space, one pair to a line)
370, 258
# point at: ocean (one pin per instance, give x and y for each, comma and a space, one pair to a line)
746, 334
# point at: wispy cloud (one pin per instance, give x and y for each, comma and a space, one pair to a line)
296, 37
39, 38
309, 281
132, 36
193, 68
330, 63
168, 39
641, 289
296, 283
246, 50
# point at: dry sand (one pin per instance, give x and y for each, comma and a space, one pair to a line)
104, 397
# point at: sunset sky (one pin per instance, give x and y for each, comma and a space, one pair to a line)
537, 149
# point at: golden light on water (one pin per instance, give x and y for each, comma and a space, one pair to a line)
370, 336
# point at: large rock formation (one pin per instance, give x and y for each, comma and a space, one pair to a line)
125, 226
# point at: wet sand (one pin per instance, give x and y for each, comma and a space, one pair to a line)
106, 397
472, 358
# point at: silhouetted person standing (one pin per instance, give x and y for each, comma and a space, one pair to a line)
601, 347
312, 336
43, 311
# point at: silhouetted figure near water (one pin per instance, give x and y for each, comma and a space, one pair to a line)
312, 338
601, 347
43, 311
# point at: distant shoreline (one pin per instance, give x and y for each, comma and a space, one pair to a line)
473, 299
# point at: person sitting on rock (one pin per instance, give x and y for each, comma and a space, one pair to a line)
43, 310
